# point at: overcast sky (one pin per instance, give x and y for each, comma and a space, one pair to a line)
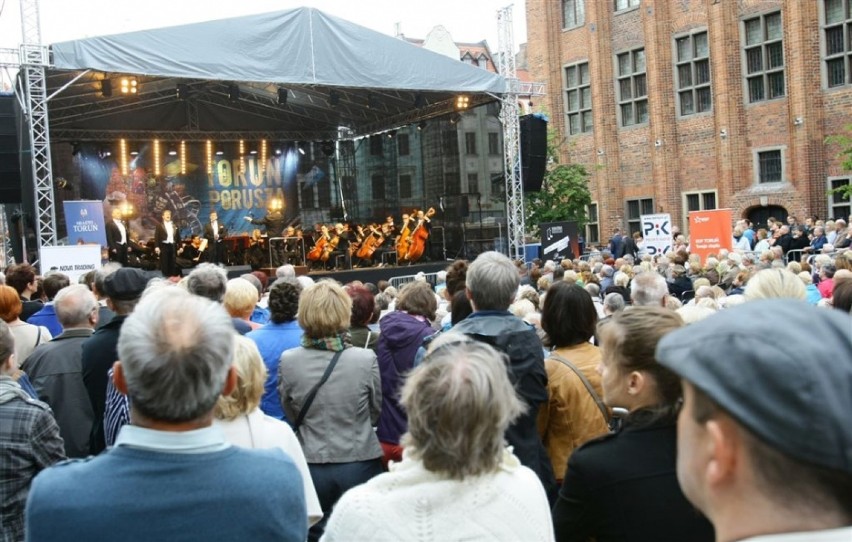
61, 20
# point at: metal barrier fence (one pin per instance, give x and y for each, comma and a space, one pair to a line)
399, 282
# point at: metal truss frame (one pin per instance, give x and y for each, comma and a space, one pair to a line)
511, 136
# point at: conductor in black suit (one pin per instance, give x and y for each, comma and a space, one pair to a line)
116, 237
167, 237
215, 233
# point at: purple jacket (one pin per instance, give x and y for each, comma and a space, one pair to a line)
401, 335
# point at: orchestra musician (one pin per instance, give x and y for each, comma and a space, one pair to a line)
167, 238
215, 233
293, 246
192, 252
116, 235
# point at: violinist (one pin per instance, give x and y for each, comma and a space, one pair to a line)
192, 252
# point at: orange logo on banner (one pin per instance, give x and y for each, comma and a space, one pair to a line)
710, 231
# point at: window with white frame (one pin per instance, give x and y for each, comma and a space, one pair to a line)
573, 13
837, 35
692, 72
764, 57
592, 225
839, 204
635, 209
632, 87
483, 62
769, 166
578, 98
625, 4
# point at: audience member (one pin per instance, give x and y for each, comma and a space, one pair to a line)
27, 336
22, 278
46, 316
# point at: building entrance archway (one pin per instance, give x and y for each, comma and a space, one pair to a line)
759, 215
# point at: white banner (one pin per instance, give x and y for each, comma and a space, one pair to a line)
657, 233
72, 260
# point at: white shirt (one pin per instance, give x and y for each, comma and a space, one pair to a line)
257, 430
215, 225
170, 232
123, 231
843, 534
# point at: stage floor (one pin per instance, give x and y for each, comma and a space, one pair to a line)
375, 274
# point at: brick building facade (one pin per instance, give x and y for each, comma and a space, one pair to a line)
679, 105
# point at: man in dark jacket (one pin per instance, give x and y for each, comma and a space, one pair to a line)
123, 288
56, 371
616, 244
492, 282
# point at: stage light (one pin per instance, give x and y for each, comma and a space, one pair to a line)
462, 102
233, 92
391, 134
106, 88
123, 150
105, 152
278, 151
183, 157
172, 150
333, 97
455, 118
263, 154
129, 85
157, 157
301, 147
209, 153
282, 96
421, 126
182, 91
219, 152
420, 101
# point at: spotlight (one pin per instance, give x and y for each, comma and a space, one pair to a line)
421, 125
105, 152
455, 118
129, 85
233, 92
462, 102
333, 97
391, 134
278, 151
420, 101
327, 148
253, 151
282, 96
182, 91
219, 152
301, 146
134, 152
106, 88
172, 150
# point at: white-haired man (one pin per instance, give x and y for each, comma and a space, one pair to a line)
178, 476
649, 289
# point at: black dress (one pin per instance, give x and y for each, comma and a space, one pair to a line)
623, 487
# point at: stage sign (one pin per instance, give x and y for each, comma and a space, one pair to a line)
709, 231
558, 240
657, 233
72, 260
84, 221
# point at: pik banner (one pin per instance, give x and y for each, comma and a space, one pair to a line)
84, 221
710, 231
657, 233
559, 240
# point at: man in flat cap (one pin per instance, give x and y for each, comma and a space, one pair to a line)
171, 474
764, 437
122, 287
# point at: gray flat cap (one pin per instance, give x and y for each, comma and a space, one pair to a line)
781, 368
125, 284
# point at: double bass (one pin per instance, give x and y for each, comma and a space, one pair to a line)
418, 237
404, 240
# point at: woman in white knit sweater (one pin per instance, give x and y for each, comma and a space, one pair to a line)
456, 481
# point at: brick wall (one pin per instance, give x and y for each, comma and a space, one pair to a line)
671, 155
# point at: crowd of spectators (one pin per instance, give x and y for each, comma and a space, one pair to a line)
491, 401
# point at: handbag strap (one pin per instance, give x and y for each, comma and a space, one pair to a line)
586, 383
313, 393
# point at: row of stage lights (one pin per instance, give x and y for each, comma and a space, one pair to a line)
127, 156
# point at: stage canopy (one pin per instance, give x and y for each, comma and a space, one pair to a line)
299, 74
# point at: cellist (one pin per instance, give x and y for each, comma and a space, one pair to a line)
404, 238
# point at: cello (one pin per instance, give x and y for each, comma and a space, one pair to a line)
419, 237
318, 250
371, 242
404, 240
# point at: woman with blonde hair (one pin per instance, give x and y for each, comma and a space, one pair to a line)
623, 486
457, 480
239, 417
240, 300
333, 392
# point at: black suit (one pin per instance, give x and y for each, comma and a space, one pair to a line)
216, 247
623, 486
99, 353
117, 249
630, 247
168, 251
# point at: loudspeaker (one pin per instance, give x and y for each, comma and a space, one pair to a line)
533, 151
10, 172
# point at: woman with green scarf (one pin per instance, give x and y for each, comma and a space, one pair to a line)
333, 393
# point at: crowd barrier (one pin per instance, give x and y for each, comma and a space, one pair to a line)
399, 282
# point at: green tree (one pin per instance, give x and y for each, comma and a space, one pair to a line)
564, 194
845, 155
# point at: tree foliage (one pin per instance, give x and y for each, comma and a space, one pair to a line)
564, 194
845, 156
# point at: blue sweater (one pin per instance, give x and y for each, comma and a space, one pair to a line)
131, 494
